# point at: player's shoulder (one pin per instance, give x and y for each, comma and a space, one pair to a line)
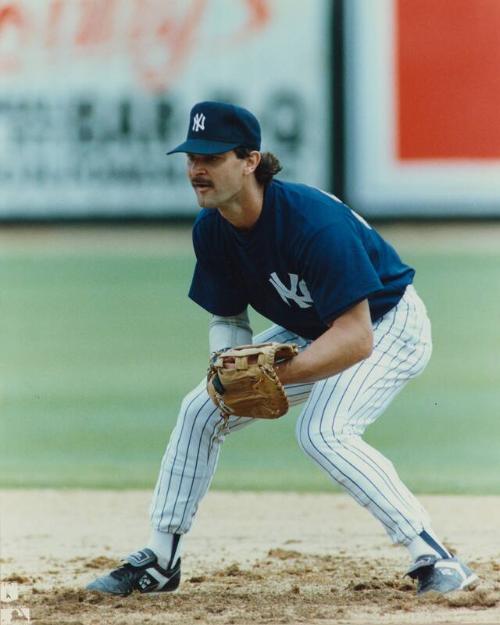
310, 206
297, 191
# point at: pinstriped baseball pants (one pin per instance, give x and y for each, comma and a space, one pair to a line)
336, 412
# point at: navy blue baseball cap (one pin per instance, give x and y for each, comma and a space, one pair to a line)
217, 127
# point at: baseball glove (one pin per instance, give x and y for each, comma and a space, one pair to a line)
242, 381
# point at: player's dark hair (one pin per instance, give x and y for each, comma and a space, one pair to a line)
268, 167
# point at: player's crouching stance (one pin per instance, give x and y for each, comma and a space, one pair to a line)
332, 287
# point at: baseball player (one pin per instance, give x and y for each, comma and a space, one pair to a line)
332, 286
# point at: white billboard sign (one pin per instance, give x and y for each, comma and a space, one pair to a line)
94, 92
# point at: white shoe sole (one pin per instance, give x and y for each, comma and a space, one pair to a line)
469, 582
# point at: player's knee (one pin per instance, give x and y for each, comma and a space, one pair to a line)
310, 440
321, 438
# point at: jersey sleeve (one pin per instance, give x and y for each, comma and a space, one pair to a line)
337, 270
214, 286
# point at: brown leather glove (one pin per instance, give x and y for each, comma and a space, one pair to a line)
242, 381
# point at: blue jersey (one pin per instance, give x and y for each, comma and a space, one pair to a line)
307, 260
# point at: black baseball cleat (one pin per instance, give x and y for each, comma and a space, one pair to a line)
141, 572
441, 575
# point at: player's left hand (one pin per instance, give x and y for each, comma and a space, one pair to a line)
243, 381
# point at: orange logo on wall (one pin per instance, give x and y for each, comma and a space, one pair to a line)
448, 79
156, 36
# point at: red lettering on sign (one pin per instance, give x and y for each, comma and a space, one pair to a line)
156, 37
55, 13
259, 13
11, 14
159, 43
96, 22
13, 25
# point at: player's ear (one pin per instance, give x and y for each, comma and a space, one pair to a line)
252, 161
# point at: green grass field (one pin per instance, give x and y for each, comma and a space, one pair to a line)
89, 391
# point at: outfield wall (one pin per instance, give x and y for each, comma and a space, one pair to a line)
93, 93
391, 104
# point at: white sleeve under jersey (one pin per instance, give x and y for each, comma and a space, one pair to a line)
229, 331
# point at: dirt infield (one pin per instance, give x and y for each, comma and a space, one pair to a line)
250, 558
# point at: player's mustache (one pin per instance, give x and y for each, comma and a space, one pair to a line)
201, 181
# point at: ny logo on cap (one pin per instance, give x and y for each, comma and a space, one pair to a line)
198, 122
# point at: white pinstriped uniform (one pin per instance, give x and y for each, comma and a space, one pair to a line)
337, 411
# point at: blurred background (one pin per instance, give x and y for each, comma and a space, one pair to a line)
390, 104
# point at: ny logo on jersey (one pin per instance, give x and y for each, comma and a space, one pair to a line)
198, 122
303, 300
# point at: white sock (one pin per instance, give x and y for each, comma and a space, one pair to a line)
167, 547
427, 543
